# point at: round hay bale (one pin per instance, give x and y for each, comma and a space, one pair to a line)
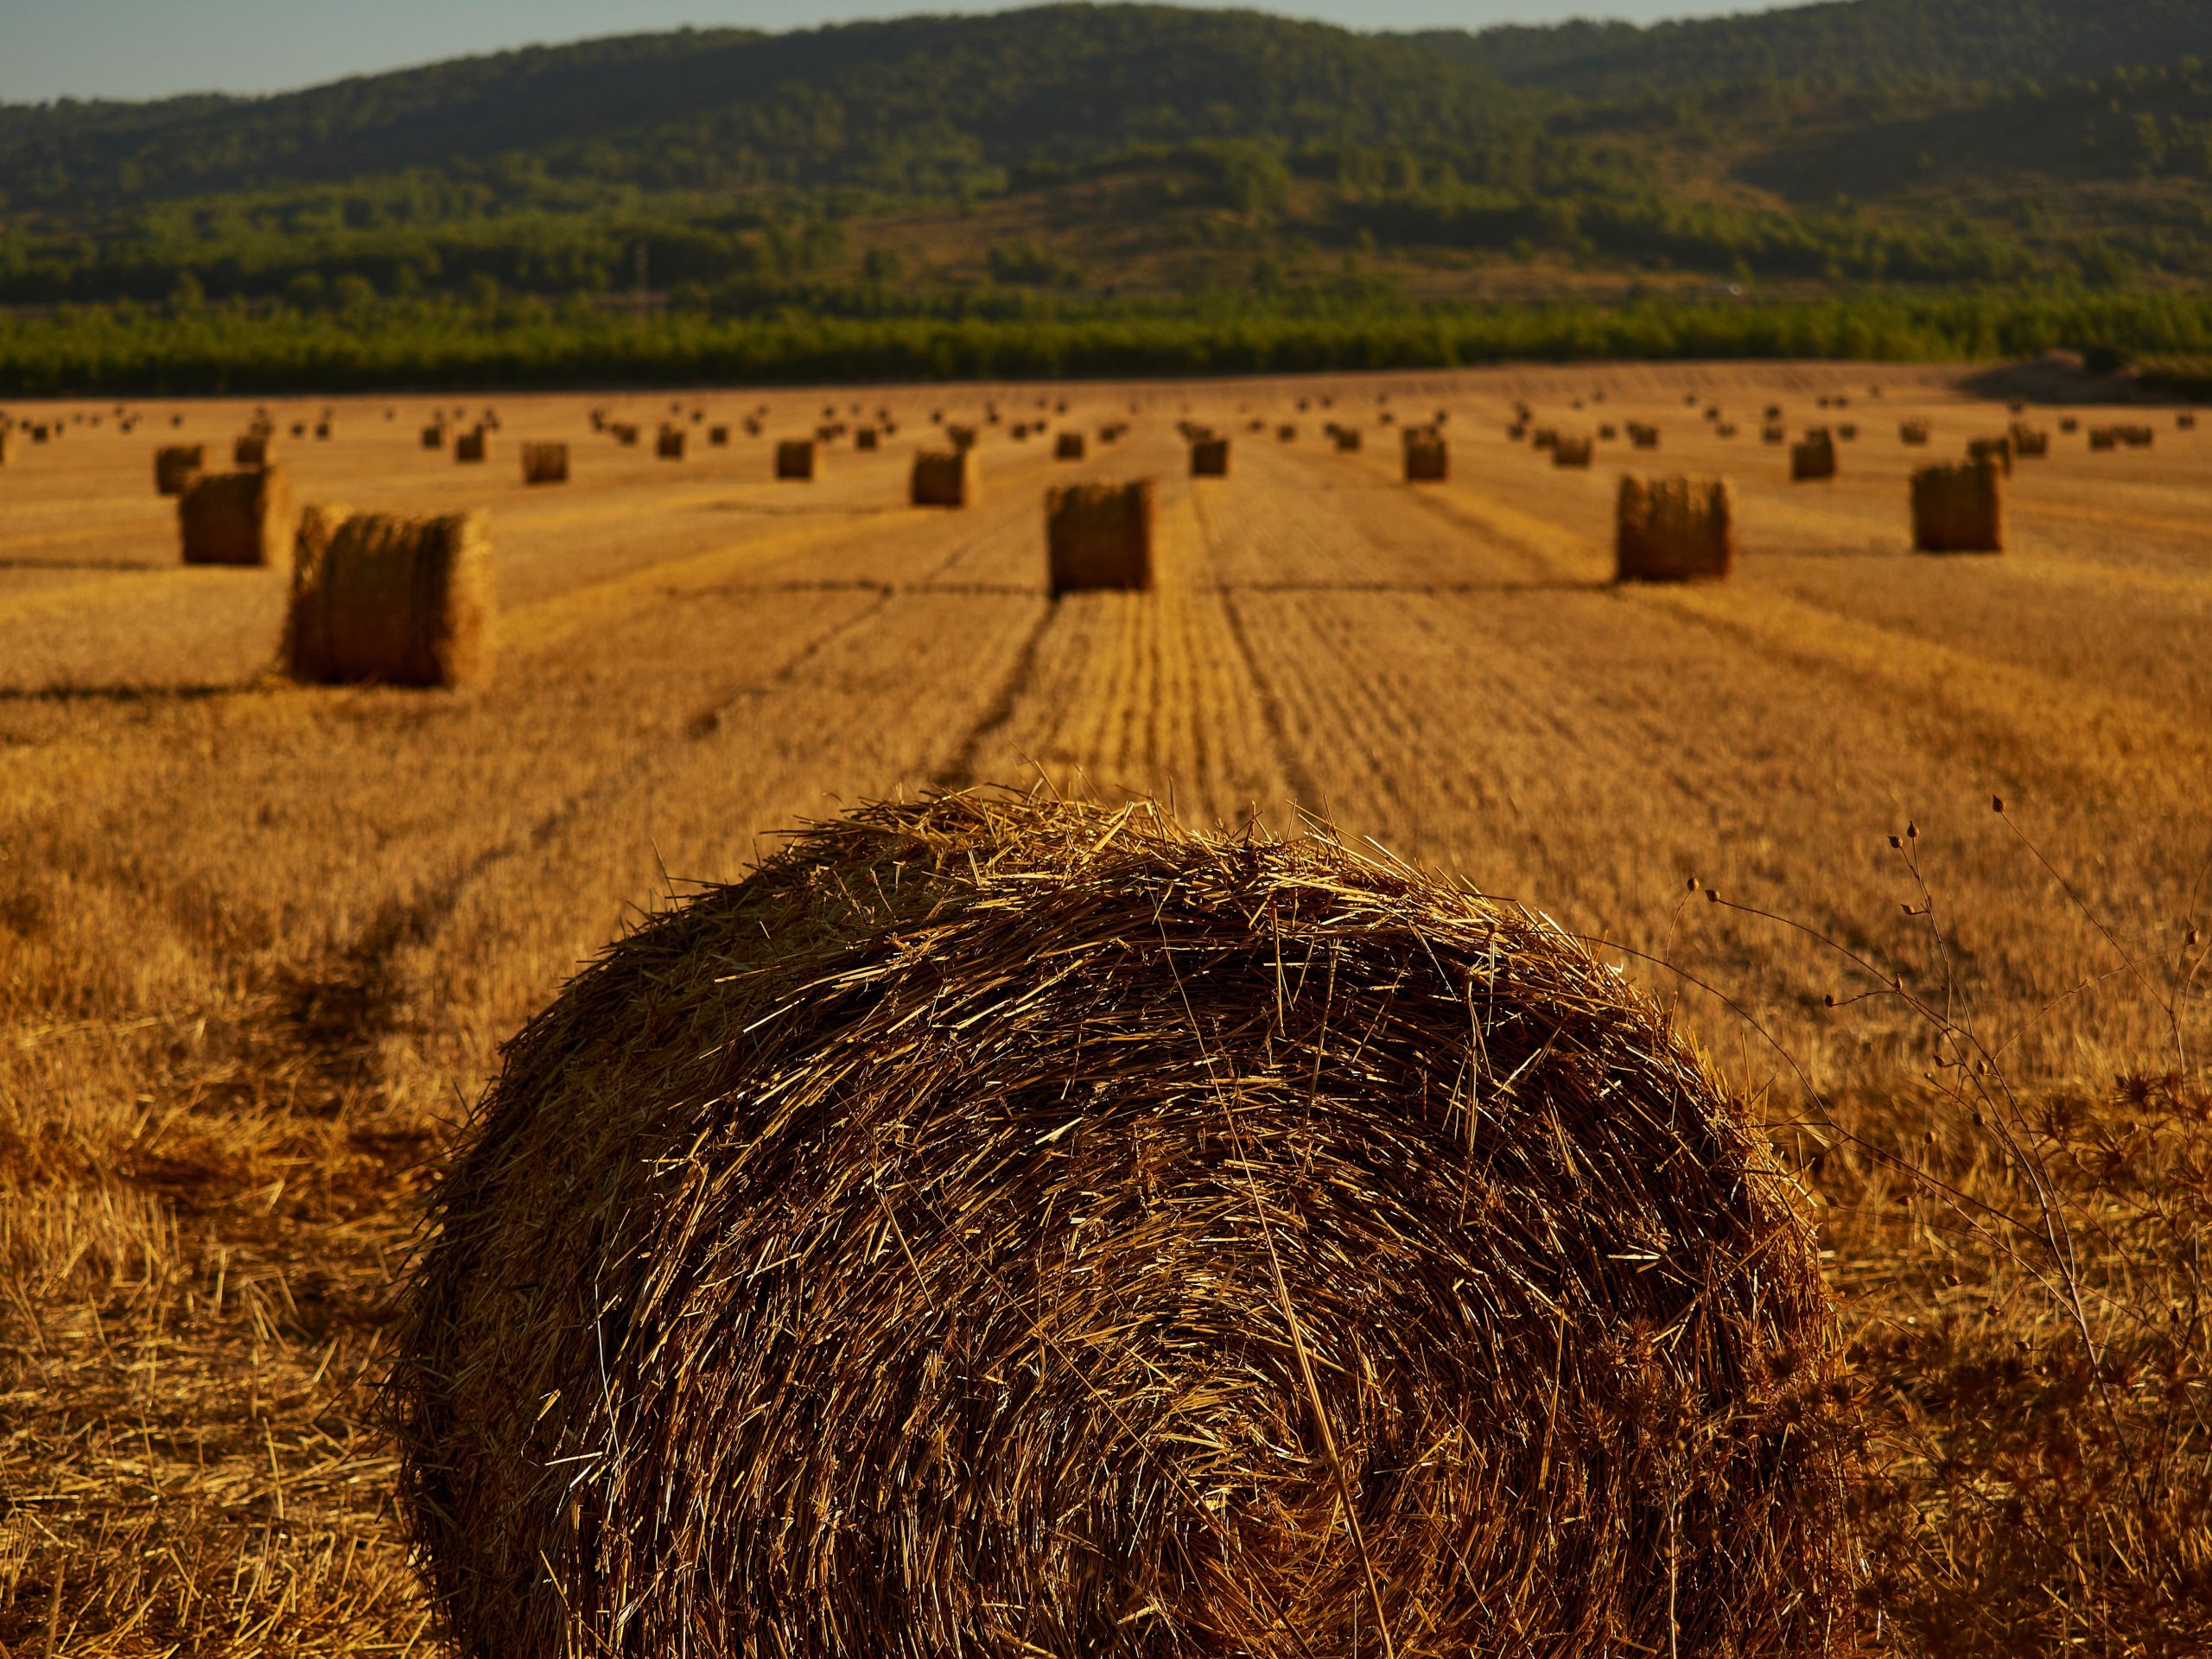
944, 478
245, 518
1001, 1228
382, 600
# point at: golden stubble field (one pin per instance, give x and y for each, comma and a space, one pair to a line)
258, 943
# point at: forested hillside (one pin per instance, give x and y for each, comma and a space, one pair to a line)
1080, 157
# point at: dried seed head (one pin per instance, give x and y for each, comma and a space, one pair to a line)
1997, 803
1911, 831
1894, 842
1693, 884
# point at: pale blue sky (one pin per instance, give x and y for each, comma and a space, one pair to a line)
147, 48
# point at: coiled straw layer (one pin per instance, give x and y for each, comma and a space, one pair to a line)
999, 1227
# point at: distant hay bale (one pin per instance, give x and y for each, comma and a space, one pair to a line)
1348, 440
250, 450
795, 459
433, 435
991, 1216
671, 443
2029, 443
1607, 432
1285, 433
471, 447
1643, 436
176, 465
243, 517
546, 463
299, 429
945, 478
1427, 459
1573, 453
867, 438
2138, 437
322, 431
386, 600
1068, 446
718, 437
2068, 425
1100, 536
1210, 458
1814, 458
1997, 452
2104, 440
1914, 434
1847, 432
626, 434
1959, 509
1675, 530
1774, 433
962, 437
2184, 423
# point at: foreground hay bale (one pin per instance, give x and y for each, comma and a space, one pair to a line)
795, 460
1675, 530
1427, 459
1210, 458
546, 463
1814, 458
1959, 509
244, 518
176, 465
976, 1225
1100, 536
945, 478
382, 600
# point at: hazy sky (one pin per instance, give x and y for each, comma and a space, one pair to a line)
145, 48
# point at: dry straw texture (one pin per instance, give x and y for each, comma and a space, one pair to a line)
795, 459
1428, 460
546, 463
1675, 530
237, 517
1001, 1228
1210, 458
945, 478
176, 465
1959, 509
1100, 536
1813, 459
388, 601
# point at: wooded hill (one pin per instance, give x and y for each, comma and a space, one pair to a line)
1112, 151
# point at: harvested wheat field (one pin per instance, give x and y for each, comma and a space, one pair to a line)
261, 941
